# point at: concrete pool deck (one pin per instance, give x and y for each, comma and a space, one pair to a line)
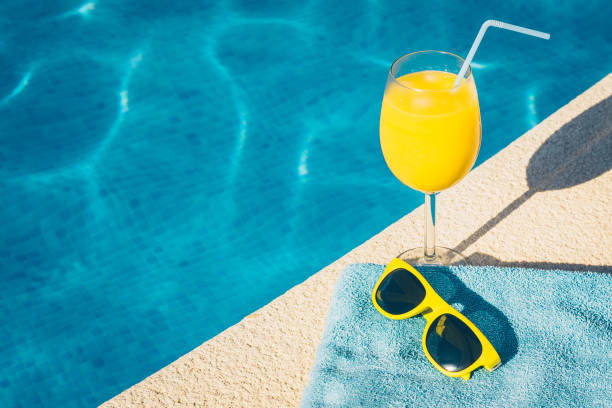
545, 201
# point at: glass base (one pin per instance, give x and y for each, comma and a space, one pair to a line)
444, 257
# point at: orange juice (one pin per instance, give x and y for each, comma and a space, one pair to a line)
430, 131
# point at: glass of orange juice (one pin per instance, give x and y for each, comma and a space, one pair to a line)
430, 135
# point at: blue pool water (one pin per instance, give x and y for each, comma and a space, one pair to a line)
167, 167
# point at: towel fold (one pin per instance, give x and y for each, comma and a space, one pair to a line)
552, 330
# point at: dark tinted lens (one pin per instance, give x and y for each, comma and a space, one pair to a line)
452, 343
400, 292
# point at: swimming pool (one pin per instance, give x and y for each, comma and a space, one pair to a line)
168, 167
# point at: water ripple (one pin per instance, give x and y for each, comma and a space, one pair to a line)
83, 11
18, 89
532, 112
87, 8
303, 162
238, 98
123, 94
481, 65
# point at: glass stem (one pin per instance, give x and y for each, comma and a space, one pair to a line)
430, 228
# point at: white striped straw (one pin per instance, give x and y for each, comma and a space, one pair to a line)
481, 33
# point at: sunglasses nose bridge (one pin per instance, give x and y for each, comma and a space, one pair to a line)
435, 306
428, 314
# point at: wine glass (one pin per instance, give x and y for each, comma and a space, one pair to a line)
430, 135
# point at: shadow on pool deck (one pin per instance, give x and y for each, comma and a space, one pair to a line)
578, 152
481, 259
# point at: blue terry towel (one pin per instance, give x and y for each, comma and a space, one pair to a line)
552, 330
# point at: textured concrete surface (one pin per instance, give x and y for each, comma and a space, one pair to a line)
544, 201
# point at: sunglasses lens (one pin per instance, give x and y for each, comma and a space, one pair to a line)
452, 343
400, 292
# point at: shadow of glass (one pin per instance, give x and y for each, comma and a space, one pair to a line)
578, 152
490, 320
481, 259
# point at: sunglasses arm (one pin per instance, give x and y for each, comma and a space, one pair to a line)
493, 364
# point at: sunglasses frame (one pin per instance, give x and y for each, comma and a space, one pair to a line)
431, 307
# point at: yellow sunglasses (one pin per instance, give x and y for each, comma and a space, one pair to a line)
450, 341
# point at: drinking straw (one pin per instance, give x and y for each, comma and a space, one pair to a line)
481, 33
